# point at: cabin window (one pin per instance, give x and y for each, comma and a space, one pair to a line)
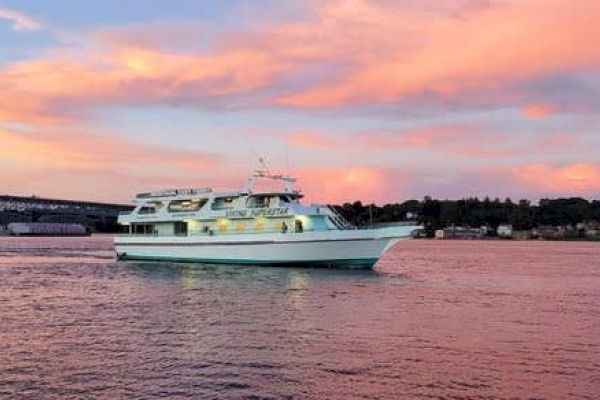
258, 201
150, 207
142, 229
186, 205
223, 203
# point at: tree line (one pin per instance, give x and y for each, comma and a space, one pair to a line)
473, 212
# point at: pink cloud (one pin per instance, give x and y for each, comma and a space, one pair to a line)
346, 184
387, 52
313, 140
483, 49
97, 185
559, 141
45, 91
97, 167
469, 140
536, 111
428, 136
455, 139
87, 152
578, 178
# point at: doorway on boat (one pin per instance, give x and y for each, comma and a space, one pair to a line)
181, 228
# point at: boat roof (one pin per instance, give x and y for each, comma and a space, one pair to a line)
184, 193
174, 193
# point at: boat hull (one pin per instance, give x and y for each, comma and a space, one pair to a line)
354, 249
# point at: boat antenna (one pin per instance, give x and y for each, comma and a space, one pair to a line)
263, 163
287, 159
254, 153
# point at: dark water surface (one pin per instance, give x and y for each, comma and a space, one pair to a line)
436, 319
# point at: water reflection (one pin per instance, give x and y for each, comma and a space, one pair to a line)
190, 274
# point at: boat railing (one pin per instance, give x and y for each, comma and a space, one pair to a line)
339, 220
174, 192
202, 233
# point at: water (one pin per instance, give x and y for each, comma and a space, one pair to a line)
436, 319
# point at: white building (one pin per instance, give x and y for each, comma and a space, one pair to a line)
504, 230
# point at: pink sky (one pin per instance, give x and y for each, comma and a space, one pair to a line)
373, 100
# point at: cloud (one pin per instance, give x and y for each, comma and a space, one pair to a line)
413, 52
426, 136
392, 184
460, 140
110, 186
45, 91
97, 153
347, 52
536, 111
20, 21
578, 178
314, 140
96, 166
327, 184
559, 141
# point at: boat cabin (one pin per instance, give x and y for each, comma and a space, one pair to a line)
202, 211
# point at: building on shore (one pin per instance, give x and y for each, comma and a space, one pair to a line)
592, 233
46, 229
504, 231
524, 234
459, 232
591, 229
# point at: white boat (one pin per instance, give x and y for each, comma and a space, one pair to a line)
249, 227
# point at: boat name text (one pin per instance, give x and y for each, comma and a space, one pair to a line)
262, 212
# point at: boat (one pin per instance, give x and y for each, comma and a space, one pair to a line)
249, 227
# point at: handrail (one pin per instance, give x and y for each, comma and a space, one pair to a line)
174, 192
339, 218
198, 233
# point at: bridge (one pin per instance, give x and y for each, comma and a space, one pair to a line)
98, 217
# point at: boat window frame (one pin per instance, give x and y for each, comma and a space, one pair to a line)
143, 228
230, 204
198, 206
159, 205
267, 197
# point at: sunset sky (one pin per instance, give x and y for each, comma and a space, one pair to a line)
378, 100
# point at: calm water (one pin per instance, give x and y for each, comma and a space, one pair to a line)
443, 320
